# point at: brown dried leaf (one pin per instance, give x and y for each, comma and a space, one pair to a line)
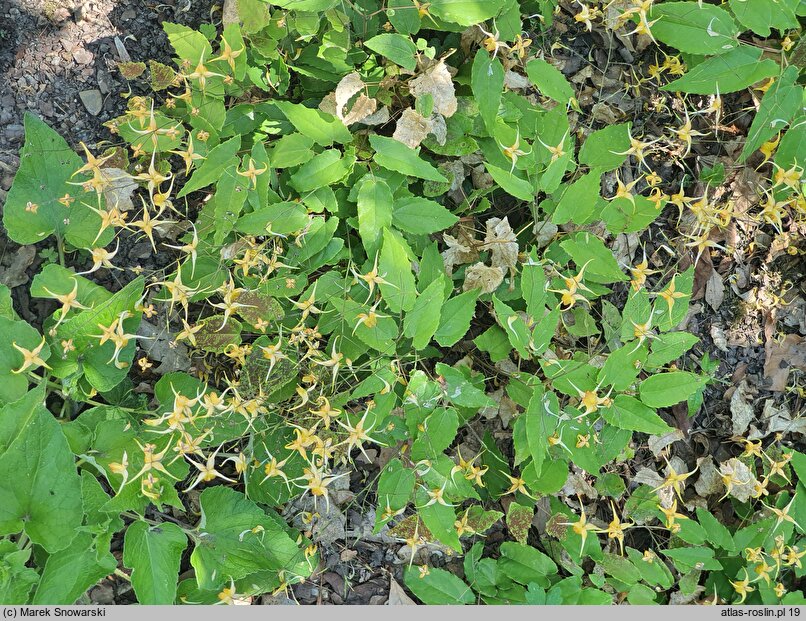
118, 188
436, 81
709, 481
714, 290
439, 129
657, 443
412, 128
397, 596
379, 117
519, 520
744, 481
362, 107
162, 76
480, 276
781, 357
500, 240
131, 70
778, 420
461, 249
742, 412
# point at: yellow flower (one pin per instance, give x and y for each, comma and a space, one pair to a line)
615, 530
742, 587
31, 358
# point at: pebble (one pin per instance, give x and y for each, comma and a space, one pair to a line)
14, 132
82, 56
92, 100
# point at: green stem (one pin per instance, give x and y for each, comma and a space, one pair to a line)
60, 248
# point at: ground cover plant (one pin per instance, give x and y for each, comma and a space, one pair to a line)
402, 251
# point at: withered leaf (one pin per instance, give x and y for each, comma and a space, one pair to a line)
412, 128
436, 81
363, 106
500, 240
484, 277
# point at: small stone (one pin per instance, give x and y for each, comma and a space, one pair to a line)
92, 100
82, 56
14, 132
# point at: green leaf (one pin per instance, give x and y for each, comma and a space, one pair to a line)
511, 184
792, 144
460, 391
43, 498
421, 216
455, 319
688, 558
279, 218
6, 304
395, 487
466, 12
395, 267
514, 326
189, 44
692, 28
780, 103
396, 47
549, 80
228, 201
68, 573
629, 413
291, 150
323, 129
605, 149
374, 213
622, 215
588, 250
718, 533
404, 20
153, 553
533, 288
397, 157
525, 564
14, 385
495, 342
16, 580
46, 166
487, 83
620, 568
578, 201
622, 366
669, 347
762, 15
437, 587
726, 73
231, 545
666, 389
439, 519
324, 169
538, 424
422, 321
439, 431
212, 168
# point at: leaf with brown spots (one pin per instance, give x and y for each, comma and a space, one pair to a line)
215, 337
519, 520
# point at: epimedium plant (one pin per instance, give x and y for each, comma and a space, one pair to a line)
355, 191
